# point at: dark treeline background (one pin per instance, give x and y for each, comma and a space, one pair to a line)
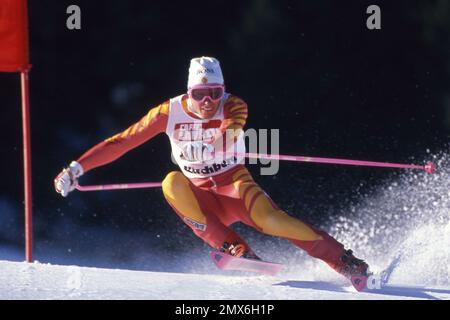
309, 68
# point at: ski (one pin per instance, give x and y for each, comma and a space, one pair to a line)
227, 262
378, 281
360, 282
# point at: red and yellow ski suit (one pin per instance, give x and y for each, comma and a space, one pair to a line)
210, 205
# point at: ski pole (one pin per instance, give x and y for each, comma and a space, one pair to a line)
429, 167
119, 186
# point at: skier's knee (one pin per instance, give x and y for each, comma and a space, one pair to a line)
267, 220
279, 223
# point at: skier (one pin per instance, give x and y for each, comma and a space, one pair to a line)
212, 190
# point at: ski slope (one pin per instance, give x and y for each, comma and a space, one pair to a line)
403, 224
20, 280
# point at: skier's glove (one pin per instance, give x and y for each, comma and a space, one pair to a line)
198, 151
67, 180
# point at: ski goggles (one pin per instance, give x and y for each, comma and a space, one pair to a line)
200, 93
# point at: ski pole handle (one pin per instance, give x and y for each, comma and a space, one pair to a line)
119, 186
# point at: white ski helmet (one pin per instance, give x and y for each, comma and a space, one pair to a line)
204, 70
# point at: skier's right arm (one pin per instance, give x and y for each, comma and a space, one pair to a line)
154, 122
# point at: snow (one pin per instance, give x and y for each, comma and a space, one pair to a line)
406, 218
20, 280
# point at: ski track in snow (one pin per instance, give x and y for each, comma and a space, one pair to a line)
44, 281
406, 219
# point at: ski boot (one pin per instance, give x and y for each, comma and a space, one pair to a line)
354, 269
350, 266
239, 250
